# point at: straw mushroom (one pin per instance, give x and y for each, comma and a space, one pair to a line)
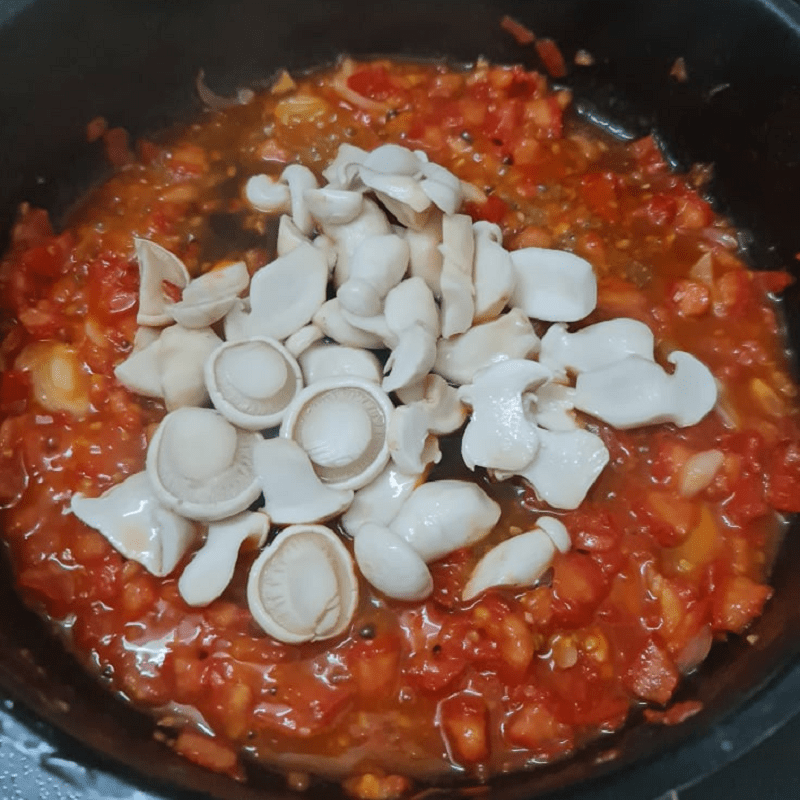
268, 194
425, 258
201, 466
391, 565
334, 206
445, 413
300, 179
208, 574
511, 335
135, 523
327, 361
517, 562
342, 424
251, 382
499, 434
636, 391
292, 491
286, 293
442, 516
331, 320
458, 251
442, 187
412, 446
394, 159
400, 194
302, 340
290, 237
348, 155
553, 285
157, 265
303, 588
554, 407
208, 299
494, 271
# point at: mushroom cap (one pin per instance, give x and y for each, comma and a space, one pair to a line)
201, 466
391, 565
332, 321
133, 521
442, 516
411, 302
347, 155
181, 355
411, 359
265, 193
458, 291
156, 264
412, 446
302, 340
327, 361
300, 179
251, 382
208, 298
342, 424
303, 588
425, 258
335, 206
292, 491
393, 159
494, 273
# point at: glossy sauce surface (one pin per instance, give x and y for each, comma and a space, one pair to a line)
411, 690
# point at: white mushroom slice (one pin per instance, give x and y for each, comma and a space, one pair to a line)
557, 531
553, 285
553, 408
699, 471
303, 588
266, 193
442, 187
500, 434
411, 445
378, 264
327, 247
494, 272
442, 516
401, 194
425, 258
325, 361
227, 280
300, 179
182, 354
391, 565
410, 303
293, 492
595, 346
130, 517
156, 265
375, 325
285, 294
140, 371
566, 465
290, 237
208, 574
341, 424
444, 410
251, 382
347, 155
370, 222
144, 337
236, 323
517, 562
511, 335
201, 315
636, 391
380, 500
301, 340
330, 318
393, 159
334, 206
412, 358
458, 250
201, 466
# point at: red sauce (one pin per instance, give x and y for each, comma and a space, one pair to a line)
410, 690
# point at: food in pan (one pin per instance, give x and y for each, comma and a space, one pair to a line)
393, 424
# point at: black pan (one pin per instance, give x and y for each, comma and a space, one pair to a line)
135, 61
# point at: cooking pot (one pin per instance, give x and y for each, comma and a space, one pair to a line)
135, 62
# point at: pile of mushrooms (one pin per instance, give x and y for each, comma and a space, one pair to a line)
278, 401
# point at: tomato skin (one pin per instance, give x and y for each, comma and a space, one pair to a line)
493, 210
578, 587
372, 82
661, 210
48, 259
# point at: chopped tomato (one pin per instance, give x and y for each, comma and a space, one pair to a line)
551, 57
737, 601
493, 210
465, 721
783, 480
599, 191
372, 82
652, 675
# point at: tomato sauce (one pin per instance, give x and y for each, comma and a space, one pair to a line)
657, 571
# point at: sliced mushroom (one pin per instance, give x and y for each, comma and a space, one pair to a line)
334, 206
636, 391
380, 500
201, 466
290, 237
565, 467
411, 359
336, 172
208, 574
251, 382
370, 222
425, 258
458, 251
378, 264
342, 425
181, 355
509, 336
442, 187
135, 523
557, 531
268, 194
374, 325
595, 346
410, 303
412, 446
553, 285
391, 565
300, 180
157, 265
442, 516
394, 159
401, 194
326, 361
331, 320
140, 371
553, 408
517, 562
302, 340
292, 491
500, 434
285, 294
494, 272
444, 410
236, 323
303, 588
210, 297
